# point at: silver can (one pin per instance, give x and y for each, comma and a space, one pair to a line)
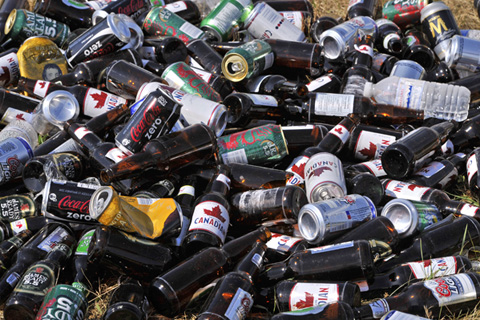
264, 22
14, 153
324, 178
462, 53
319, 222
408, 69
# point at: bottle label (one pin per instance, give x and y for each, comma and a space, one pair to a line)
224, 179
469, 210
409, 93
363, 285
257, 260
240, 305
423, 160
298, 166
472, 167
304, 295
341, 132
379, 308
371, 145
433, 268
11, 71
41, 87
255, 201
84, 243
19, 225
81, 132
403, 190
318, 83
212, 217
176, 6
447, 148
98, 102
187, 190
263, 100
452, 289
331, 247
282, 243
116, 155
37, 280
14, 114
12, 279
52, 239
429, 170
375, 167
333, 104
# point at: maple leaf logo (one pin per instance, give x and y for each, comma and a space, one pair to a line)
42, 84
370, 152
412, 187
276, 235
215, 212
339, 130
299, 169
18, 224
4, 76
20, 117
308, 302
38, 269
100, 98
427, 263
25, 206
318, 172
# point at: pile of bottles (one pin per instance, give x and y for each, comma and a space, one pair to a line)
238, 159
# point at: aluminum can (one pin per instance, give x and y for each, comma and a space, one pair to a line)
264, 22
63, 302
68, 201
154, 117
132, 8
324, 178
321, 221
408, 69
14, 153
260, 145
404, 12
462, 53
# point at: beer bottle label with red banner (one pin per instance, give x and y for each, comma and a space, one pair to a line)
304, 295
212, 217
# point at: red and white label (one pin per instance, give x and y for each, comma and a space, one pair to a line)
375, 167
18, 225
304, 295
403, 190
452, 289
371, 145
41, 87
212, 217
98, 102
469, 210
341, 132
429, 170
472, 167
433, 268
82, 132
282, 243
298, 166
116, 155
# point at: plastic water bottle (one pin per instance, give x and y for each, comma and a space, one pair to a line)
437, 100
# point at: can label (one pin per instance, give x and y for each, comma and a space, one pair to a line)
52, 239
38, 25
375, 167
297, 18
323, 168
14, 153
240, 305
433, 268
84, 243
304, 295
403, 190
212, 217
452, 289
132, 8
440, 26
16, 207
404, 12
98, 102
9, 70
222, 17
63, 302
259, 145
371, 145
282, 243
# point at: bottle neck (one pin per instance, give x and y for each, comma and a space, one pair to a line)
84, 137
237, 248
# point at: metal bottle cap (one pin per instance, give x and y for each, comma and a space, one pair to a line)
403, 215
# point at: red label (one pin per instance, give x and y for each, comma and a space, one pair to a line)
67, 203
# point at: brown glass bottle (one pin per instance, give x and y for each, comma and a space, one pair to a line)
9, 247
128, 301
332, 311
303, 136
322, 24
234, 292
472, 83
74, 14
412, 151
276, 85
417, 48
211, 215
203, 53
365, 184
195, 144
281, 246
25, 301
14, 105
170, 292
389, 37
383, 63
365, 8
354, 79
468, 135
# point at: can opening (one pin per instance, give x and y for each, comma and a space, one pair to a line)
307, 225
234, 67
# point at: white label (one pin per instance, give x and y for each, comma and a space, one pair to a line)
282, 243
187, 190
319, 82
363, 285
409, 94
304, 295
15, 114
212, 217
10, 70
294, 17
447, 148
263, 100
433, 268
98, 102
41, 88
176, 6
173, 79
389, 37
81, 132
18, 225
379, 308
237, 156
472, 167
403, 190
224, 179
341, 132
469, 210
298, 166
333, 104
375, 167
146, 201
224, 19
371, 145
190, 30
206, 76
452, 290
428, 171
116, 155
332, 247
257, 260
240, 305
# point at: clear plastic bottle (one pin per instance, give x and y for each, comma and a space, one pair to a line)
437, 100
20, 128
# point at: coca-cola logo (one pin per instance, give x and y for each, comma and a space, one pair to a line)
67, 203
131, 7
149, 116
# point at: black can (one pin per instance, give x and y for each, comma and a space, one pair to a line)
155, 116
68, 201
132, 8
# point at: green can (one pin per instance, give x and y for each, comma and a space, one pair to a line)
63, 302
219, 23
23, 24
162, 22
180, 76
404, 12
260, 145
247, 60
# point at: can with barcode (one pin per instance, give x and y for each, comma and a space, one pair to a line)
14, 153
220, 22
247, 60
260, 145
264, 22
68, 201
163, 22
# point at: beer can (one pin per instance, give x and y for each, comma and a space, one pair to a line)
132, 8
264, 22
410, 217
259, 145
14, 153
162, 22
219, 24
324, 178
247, 60
404, 13
462, 53
68, 201
16, 207
181, 76
151, 218
321, 221
23, 24
113, 33
9, 66
154, 117
63, 302
408, 69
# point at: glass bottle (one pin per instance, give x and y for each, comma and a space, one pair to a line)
468, 135
365, 8
128, 301
354, 79
389, 38
276, 85
74, 14
14, 106
8, 247
331, 311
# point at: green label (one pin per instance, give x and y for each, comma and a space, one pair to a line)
84, 243
427, 214
63, 302
37, 280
